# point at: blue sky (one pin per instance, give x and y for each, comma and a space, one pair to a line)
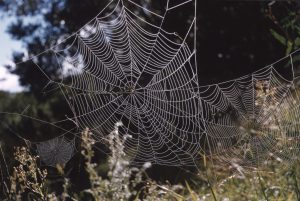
8, 81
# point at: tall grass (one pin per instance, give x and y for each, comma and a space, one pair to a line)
28, 181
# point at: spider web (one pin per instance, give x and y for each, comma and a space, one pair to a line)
254, 120
56, 151
121, 67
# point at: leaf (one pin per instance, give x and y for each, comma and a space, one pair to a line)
192, 193
174, 194
297, 41
137, 196
278, 37
298, 29
289, 47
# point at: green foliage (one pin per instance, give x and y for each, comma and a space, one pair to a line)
287, 30
27, 178
124, 182
279, 37
30, 181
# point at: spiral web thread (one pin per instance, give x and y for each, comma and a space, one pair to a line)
120, 67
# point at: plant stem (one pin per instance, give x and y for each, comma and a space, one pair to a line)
262, 187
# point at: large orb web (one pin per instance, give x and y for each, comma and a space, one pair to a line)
254, 120
122, 68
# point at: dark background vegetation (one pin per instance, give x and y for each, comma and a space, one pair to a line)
233, 39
